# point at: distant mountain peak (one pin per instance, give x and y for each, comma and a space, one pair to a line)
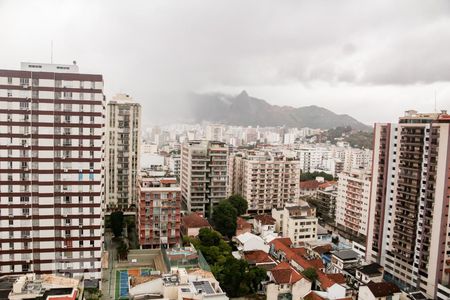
245, 110
243, 94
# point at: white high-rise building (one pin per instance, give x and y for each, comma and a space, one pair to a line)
203, 176
352, 201
51, 170
409, 216
123, 151
313, 158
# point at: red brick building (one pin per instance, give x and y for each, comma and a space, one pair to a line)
159, 212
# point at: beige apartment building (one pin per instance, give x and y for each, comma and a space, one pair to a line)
203, 175
122, 151
409, 219
352, 202
297, 222
266, 178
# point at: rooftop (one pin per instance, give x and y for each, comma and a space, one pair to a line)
346, 254
283, 273
372, 269
265, 219
194, 220
383, 289
257, 257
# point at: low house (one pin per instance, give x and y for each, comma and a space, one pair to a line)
344, 259
45, 286
333, 284
180, 284
192, 223
379, 291
249, 241
262, 224
309, 187
373, 272
260, 259
286, 283
242, 226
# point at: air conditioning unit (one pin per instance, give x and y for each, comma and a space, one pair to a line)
65, 170
64, 215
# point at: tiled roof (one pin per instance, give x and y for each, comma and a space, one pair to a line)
383, 289
309, 185
327, 184
313, 296
296, 254
283, 273
323, 248
194, 220
257, 257
317, 263
242, 224
337, 277
265, 219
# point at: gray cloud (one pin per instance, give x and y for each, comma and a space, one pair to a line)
159, 50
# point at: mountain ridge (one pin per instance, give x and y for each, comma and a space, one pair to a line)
244, 110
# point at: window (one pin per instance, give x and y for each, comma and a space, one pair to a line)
10, 81
24, 81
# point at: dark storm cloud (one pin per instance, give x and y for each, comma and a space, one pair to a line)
158, 50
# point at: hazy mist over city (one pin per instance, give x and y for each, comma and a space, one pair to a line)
369, 59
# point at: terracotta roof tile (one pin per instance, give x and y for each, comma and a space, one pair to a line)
313, 296
194, 220
283, 273
257, 257
383, 289
323, 248
337, 277
265, 219
243, 224
309, 185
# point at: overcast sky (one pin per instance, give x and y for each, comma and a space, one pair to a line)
369, 59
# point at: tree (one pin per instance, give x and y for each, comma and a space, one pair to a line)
224, 218
231, 277
239, 203
209, 237
311, 176
310, 273
254, 277
117, 223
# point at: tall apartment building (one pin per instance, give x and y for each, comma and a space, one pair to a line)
51, 170
123, 151
159, 212
267, 179
325, 202
313, 158
215, 132
352, 202
203, 175
409, 224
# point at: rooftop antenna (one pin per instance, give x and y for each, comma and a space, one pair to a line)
51, 53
